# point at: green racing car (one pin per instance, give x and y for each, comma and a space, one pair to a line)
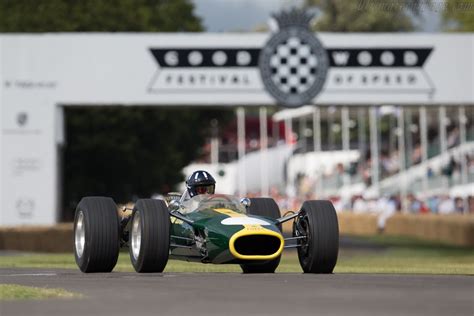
207, 228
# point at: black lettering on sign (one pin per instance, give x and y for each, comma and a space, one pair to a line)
378, 57
206, 57
249, 57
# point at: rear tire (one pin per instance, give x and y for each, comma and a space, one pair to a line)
318, 253
96, 234
149, 241
263, 207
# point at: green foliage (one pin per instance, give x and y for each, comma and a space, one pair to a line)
98, 16
365, 15
126, 152
459, 15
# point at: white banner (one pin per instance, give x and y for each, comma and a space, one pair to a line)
223, 69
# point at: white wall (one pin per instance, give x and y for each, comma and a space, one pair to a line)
1, 137
248, 168
319, 163
28, 163
274, 165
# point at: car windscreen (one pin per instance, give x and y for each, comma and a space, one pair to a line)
212, 201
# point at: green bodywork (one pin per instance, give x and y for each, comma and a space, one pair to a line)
207, 239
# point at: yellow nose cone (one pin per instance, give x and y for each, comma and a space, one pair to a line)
256, 243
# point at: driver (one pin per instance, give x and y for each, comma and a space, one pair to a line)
200, 182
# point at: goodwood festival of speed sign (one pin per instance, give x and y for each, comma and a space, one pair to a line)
293, 63
291, 66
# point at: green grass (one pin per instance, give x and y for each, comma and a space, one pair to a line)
396, 255
10, 292
407, 260
402, 241
407, 255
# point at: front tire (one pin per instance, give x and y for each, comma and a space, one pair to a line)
149, 236
317, 221
96, 234
263, 207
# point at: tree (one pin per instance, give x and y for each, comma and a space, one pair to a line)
98, 16
118, 151
458, 15
130, 151
365, 15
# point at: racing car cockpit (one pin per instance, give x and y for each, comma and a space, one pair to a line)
212, 201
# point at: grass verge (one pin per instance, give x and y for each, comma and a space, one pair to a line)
398, 255
10, 292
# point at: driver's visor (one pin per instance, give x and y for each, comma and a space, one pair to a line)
205, 189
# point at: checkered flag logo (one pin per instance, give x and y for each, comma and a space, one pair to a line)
293, 63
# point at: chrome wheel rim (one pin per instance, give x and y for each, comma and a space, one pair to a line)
80, 235
136, 240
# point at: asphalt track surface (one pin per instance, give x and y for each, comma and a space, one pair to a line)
193, 294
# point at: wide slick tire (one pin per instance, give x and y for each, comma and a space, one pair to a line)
96, 234
263, 207
149, 236
318, 252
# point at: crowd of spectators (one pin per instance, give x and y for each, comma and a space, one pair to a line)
360, 171
383, 207
390, 160
358, 204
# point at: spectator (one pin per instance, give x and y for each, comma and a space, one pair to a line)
453, 137
359, 205
433, 203
414, 205
459, 204
389, 205
446, 205
416, 155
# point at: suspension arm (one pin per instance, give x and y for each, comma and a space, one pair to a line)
285, 218
294, 245
180, 216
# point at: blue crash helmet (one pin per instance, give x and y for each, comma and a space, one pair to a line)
200, 182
